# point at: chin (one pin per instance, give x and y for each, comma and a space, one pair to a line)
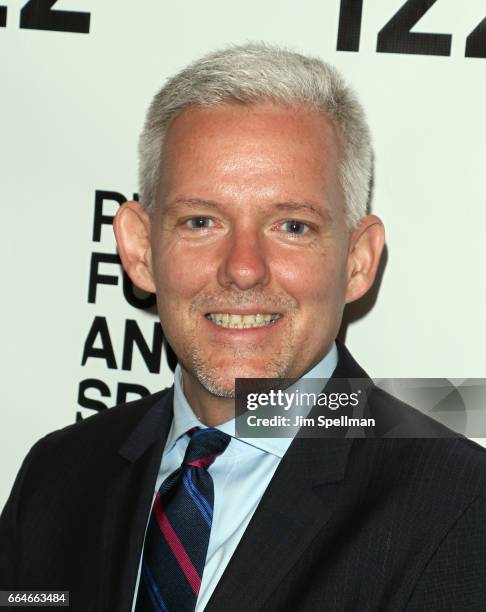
220, 381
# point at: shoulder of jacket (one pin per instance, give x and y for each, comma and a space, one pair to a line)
422, 448
113, 423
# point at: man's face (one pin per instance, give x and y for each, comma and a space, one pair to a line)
250, 221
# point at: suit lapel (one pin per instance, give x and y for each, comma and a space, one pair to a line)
300, 499
289, 516
128, 502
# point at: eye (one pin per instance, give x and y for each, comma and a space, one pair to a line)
295, 227
198, 223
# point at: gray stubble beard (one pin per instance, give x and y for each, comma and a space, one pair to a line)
277, 367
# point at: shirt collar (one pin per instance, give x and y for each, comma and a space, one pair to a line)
185, 419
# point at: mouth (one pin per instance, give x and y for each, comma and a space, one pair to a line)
242, 321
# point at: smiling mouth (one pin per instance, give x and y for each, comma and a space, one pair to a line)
237, 321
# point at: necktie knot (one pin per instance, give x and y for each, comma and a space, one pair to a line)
204, 446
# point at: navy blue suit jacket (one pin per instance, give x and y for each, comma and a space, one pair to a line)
380, 523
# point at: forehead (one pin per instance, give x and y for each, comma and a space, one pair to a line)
247, 147
262, 122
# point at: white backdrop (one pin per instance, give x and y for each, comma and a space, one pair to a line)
72, 106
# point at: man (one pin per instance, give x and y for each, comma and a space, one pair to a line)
253, 231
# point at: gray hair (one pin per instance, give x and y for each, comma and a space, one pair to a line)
255, 73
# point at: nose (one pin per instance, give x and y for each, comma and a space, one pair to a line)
244, 263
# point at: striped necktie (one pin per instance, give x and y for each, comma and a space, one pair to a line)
177, 537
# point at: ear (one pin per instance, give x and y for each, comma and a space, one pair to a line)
132, 231
365, 248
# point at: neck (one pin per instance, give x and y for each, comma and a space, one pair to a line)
210, 409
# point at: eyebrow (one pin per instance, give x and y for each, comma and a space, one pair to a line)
304, 206
192, 203
289, 206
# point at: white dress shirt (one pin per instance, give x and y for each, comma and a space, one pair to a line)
240, 476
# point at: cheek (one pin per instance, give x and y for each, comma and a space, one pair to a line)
180, 271
314, 281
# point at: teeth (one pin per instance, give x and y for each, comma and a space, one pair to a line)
236, 321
